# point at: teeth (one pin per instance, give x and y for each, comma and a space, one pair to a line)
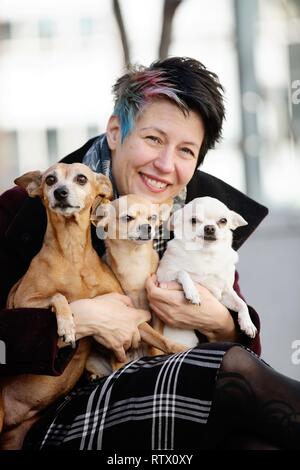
155, 183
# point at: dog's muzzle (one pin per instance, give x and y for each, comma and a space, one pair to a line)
145, 232
61, 196
209, 233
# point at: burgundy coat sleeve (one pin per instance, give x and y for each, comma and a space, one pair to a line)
29, 343
253, 344
28, 337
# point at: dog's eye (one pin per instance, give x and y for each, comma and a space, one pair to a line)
50, 180
152, 218
223, 221
127, 218
194, 220
81, 179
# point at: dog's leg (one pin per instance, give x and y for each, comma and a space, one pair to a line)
158, 326
13, 439
95, 368
190, 290
11, 295
64, 317
158, 343
156, 339
231, 300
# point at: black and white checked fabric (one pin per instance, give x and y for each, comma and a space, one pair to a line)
159, 403
159, 243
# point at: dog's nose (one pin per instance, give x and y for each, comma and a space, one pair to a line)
145, 231
61, 193
209, 230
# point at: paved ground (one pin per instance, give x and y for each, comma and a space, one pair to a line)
269, 270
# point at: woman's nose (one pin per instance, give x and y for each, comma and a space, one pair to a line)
164, 162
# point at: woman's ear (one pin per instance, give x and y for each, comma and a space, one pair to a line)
113, 131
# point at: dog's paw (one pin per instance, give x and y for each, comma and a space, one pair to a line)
175, 348
248, 327
94, 377
66, 330
193, 296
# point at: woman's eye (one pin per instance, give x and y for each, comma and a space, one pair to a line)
153, 138
188, 151
81, 179
50, 180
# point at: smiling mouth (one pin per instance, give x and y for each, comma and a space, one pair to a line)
153, 184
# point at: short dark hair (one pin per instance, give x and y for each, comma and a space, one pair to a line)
183, 80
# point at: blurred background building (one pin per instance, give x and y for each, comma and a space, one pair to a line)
59, 59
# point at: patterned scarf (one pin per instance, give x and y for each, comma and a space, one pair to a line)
98, 158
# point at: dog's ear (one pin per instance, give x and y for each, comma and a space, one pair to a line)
104, 188
236, 220
100, 212
32, 182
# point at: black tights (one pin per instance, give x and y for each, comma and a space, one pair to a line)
253, 399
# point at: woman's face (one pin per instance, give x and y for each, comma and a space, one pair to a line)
159, 156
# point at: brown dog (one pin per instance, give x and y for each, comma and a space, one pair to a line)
129, 225
71, 270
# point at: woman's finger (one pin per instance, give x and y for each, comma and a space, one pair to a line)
120, 354
142, 316
126, 300
172, 298
151, 283
136, 339
158, 309
172, 285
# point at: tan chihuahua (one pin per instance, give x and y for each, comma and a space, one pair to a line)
128, 225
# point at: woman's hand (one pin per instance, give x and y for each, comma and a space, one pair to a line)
112, 320
211, 317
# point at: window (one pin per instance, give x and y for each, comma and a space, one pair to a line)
294, 54
86, 26
9, 159
5, 30
52, 146
92, 131
46, 28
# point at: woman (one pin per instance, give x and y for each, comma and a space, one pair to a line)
165, 119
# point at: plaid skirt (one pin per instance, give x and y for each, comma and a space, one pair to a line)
154, 403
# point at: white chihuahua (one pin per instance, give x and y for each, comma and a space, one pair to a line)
201, 251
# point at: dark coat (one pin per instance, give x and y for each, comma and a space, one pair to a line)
30, 334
